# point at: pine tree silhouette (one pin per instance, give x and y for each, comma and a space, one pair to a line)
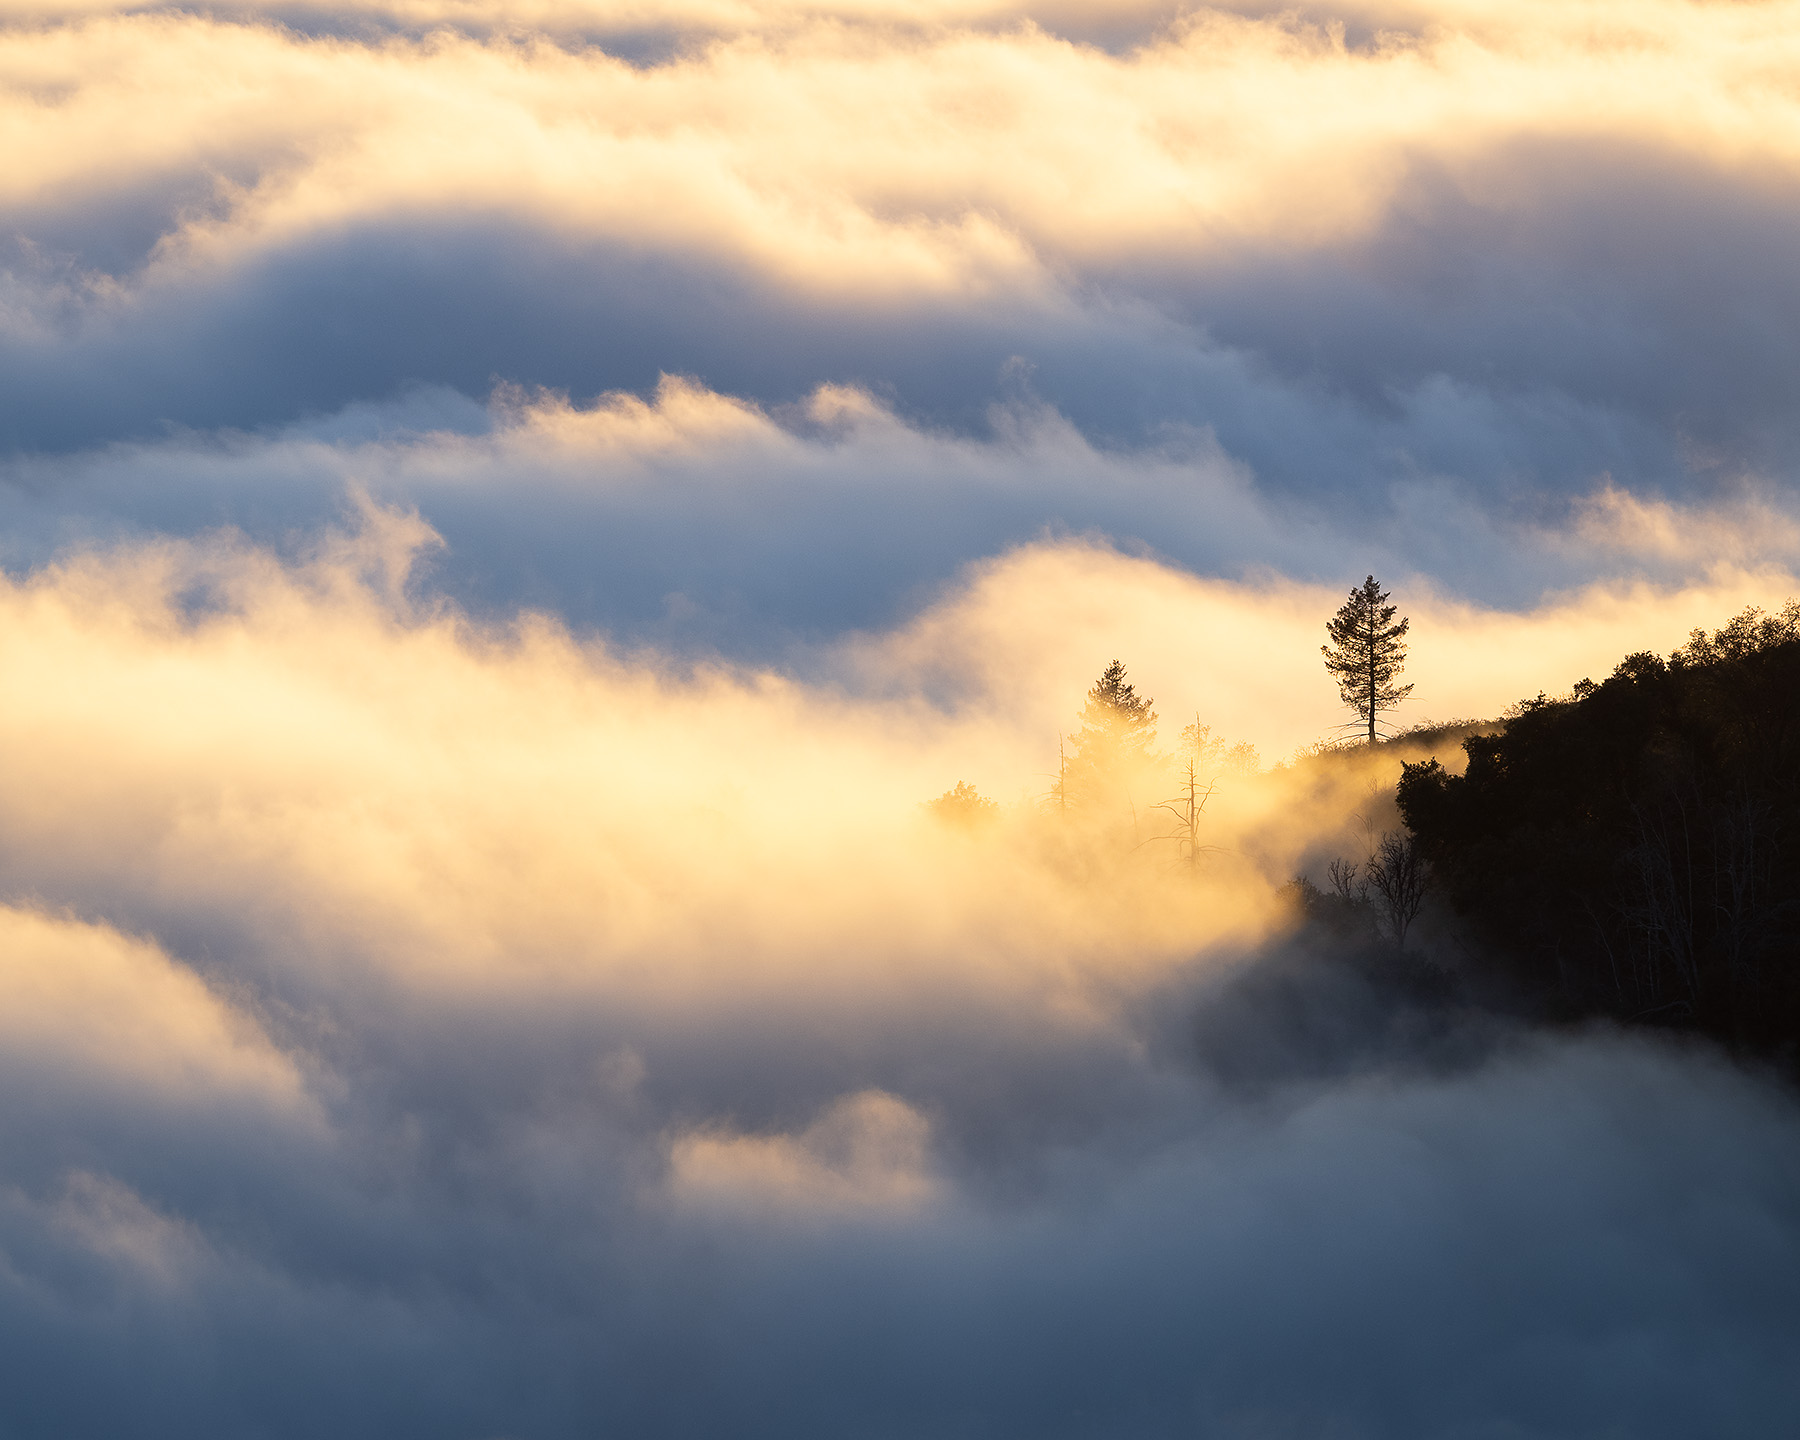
1367, 651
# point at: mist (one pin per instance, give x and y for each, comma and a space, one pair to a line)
420, 1024
516, 521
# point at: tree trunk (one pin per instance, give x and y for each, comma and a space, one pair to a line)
1371, 682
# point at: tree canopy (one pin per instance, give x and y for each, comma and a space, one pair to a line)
1116, 709
1629, 850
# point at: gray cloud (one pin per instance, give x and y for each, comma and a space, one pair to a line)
703, 524
1576, 1238
1515, 354
1327, 376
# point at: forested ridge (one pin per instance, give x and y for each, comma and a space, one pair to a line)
1628, 851
1633, 850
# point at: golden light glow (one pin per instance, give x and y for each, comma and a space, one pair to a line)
503, 811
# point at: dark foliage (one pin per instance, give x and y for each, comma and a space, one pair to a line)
1634, 851
1366, 654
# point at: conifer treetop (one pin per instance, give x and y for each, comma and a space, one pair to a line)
1113, 702
1367, 652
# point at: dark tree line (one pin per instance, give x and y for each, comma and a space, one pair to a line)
1634, 850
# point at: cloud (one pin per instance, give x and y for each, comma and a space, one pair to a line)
1459, 249
564, 1038
770, 148
1244, 655
108, 1012
704, 523
866, 1153
510, 511
312, 763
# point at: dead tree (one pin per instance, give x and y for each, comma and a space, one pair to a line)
1187, 807
1399, 876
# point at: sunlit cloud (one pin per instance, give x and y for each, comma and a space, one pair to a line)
1363, 245
867, 162
866, 1154
512, 514
334, 766
89, 1009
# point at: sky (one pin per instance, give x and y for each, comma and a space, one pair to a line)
506, 513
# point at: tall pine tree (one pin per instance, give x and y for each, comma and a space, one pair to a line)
1367, 651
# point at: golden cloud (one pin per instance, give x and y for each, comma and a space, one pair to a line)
867, 1155
85, 1008
841, 156
370, 787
